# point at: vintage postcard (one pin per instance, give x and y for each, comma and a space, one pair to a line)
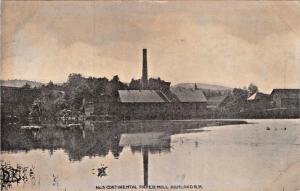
150, 95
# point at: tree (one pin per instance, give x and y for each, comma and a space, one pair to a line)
195, 87
158, 84
74, 78
26, 86
115, 85
252, 89
50, 85
237, 100
115, 79
135, 84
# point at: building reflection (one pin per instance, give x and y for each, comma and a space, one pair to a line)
92, 139
146, 142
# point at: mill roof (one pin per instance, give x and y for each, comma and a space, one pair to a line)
189, 95
140, 96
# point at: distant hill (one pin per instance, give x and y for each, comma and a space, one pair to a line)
20, 83
202, 86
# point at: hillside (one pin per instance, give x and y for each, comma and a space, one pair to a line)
203, 86
19, 83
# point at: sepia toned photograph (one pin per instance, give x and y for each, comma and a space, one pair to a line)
150, 95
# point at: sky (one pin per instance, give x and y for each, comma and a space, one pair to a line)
233, 43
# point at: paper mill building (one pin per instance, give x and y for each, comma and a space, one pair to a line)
166, 103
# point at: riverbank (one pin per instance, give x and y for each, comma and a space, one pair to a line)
174, 125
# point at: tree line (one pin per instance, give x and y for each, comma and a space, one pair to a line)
70, 95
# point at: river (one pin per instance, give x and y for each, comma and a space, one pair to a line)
261, 155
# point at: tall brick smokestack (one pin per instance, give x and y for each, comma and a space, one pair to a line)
145, 70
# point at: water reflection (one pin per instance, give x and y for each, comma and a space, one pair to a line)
143, 153
145, 143
96, 139
92, 139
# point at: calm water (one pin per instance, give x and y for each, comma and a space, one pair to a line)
233, 157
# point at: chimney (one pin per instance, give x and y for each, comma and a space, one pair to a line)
145, 70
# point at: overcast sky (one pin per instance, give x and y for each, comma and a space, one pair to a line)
229, 43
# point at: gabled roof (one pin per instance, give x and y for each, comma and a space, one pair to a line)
258, 96
139, 96
287, 92
252, 97
189, 95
